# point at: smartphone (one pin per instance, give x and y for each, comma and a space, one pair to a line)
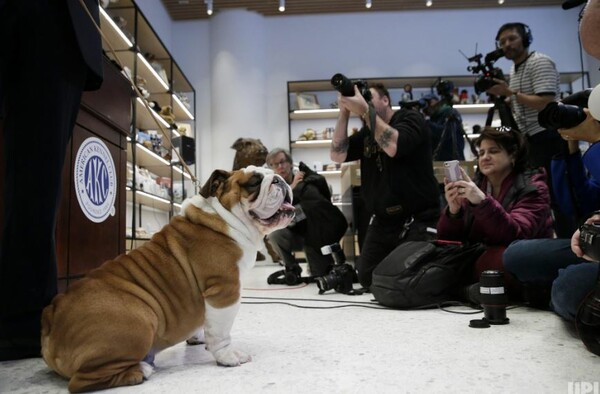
452, 170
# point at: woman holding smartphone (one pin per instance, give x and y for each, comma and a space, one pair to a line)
505, 201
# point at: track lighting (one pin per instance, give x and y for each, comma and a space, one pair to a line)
368, 4
209, 6
281, 5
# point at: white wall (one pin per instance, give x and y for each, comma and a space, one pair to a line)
386, 44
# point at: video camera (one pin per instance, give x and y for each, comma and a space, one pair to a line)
341, 276
487, 70
346, 86
569, 111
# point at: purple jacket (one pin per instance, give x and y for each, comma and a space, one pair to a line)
522, 211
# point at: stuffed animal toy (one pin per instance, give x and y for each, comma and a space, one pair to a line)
167, 114
249, 151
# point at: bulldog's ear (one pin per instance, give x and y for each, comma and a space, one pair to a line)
217, 178
237, 145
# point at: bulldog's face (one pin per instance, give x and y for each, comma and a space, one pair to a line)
262, 196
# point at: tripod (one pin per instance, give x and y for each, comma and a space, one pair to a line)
504, 113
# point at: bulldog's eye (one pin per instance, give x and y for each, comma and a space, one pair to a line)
254, 182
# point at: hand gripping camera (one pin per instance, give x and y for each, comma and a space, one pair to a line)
487, 70
341, 276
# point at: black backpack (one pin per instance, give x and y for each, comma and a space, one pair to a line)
419, 273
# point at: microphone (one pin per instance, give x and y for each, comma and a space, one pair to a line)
567, 5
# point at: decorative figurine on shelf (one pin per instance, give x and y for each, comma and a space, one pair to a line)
308, 135
407, 95
463, 98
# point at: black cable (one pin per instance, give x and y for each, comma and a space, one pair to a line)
313, 307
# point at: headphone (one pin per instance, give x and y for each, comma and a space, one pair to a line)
523, 29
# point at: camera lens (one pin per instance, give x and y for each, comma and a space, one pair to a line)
493, 296
343, 85
557, 115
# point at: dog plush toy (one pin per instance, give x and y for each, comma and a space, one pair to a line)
249, 152
104, 331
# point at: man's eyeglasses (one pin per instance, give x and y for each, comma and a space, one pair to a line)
279, 163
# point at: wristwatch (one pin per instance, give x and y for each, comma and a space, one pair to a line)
515, 94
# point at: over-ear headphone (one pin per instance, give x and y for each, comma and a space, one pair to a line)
523, 30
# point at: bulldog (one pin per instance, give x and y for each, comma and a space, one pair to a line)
105, 330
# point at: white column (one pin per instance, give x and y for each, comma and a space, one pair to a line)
238, 107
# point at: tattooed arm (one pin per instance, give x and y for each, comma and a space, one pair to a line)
339, 142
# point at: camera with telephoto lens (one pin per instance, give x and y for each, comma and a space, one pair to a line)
341, 276
346, 86
589, 240
567, 113
488, 72
493, 296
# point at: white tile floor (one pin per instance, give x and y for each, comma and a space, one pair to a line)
356, 349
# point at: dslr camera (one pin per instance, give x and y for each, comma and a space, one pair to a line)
341, 276
567, 113
589, 240
346, 86
486, 70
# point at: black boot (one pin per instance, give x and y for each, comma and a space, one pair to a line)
588, 321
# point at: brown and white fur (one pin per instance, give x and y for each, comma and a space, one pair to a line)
104, 331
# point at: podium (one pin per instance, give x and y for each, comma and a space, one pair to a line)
91, 219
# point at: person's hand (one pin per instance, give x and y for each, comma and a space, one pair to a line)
298, 177
500, 88
588, 130
456, 192
575, 246
356, 104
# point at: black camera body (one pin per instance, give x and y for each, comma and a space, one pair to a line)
487, 70
346, 86
567, 113
589, 240
341, 276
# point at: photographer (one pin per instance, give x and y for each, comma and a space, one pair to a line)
397, 181
534, 82
317, 223
557, 271
445, 123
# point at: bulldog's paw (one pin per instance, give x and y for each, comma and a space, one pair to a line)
147, 369
228, 357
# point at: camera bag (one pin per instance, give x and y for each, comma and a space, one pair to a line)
420, 274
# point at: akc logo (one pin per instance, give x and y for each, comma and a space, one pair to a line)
95, 180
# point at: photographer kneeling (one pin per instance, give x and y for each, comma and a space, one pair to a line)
318, 222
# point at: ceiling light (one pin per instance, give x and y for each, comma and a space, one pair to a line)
368, 4
429, 3
209, 8
281, 5
500, 2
